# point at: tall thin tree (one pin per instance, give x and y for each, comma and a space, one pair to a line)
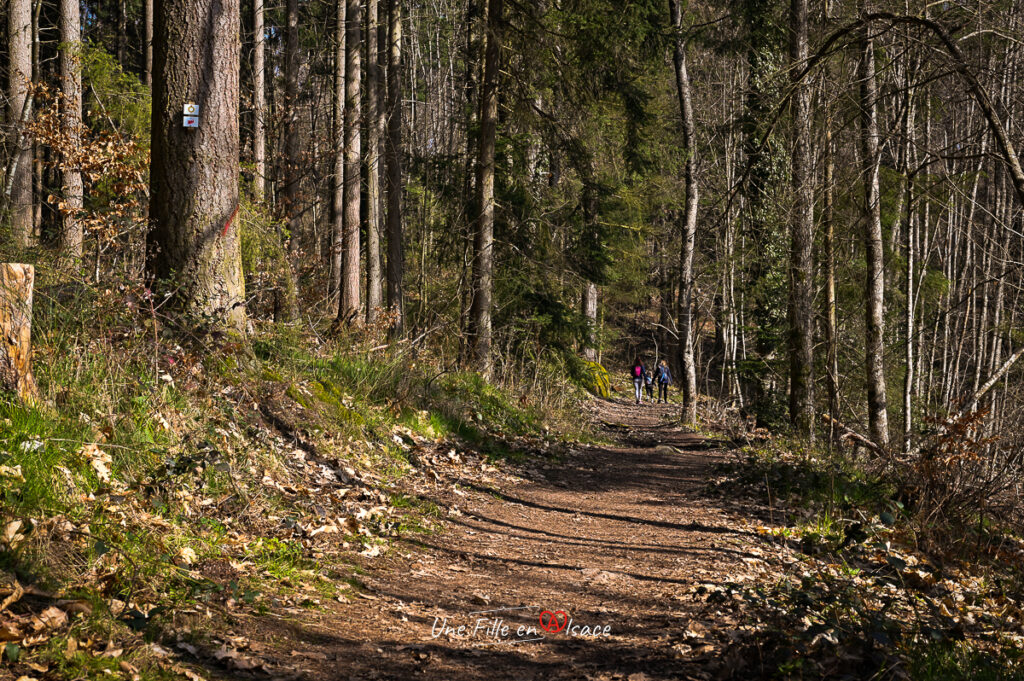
801, 266
374, 131
483, 242
71, 122
690, 204
259, 106
338, 175
878, 415
348, 310
19, 75
393, 153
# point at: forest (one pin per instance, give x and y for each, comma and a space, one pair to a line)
319, 322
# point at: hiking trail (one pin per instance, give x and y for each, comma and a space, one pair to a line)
617, 536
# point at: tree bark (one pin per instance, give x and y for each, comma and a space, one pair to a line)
259, 106
801, 266
194, 171
374, 130
686, 330
348, 311
19, 74
483, 242
878, 418
393, 150
71, 123
337, 177
16, 331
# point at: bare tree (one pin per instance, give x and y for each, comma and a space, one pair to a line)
690, 205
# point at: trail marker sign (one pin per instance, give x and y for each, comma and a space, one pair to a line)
191, 115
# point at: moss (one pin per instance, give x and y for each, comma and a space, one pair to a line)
294, 392
596, 380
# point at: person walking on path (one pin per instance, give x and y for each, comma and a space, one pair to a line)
649, 384
637, 373
663, 377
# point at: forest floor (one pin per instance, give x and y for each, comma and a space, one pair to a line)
619, 538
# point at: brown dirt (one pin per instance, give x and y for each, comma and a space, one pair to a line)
618, 536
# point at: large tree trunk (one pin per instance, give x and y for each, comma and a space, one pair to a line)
16, 331
878, 418
19, 73
338, 176
483, 243
348, 311
374, 130
686, 285
71, 122
259, 107
292, 142
147, 49
194, 171
396, 244
801, 266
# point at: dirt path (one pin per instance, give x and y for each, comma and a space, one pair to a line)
615, 537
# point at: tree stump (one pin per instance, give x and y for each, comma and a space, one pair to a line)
16, 331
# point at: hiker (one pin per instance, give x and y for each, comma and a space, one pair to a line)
637, 373
662, 376
649, 384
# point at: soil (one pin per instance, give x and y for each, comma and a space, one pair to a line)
620, 539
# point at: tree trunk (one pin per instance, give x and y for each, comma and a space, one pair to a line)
194, 171
590, 314
686, 286
292, 144
337, 177
878, 418
393, 149
801, 266
374, 125
483, 243
259, 107
16, 331
348, 311
71, 122
148, 33
19, 73
122, 33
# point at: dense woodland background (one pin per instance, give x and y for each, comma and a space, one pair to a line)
454, 215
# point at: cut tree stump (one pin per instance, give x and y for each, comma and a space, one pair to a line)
16, 330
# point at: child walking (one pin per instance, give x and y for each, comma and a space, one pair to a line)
649, 384
663, 377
